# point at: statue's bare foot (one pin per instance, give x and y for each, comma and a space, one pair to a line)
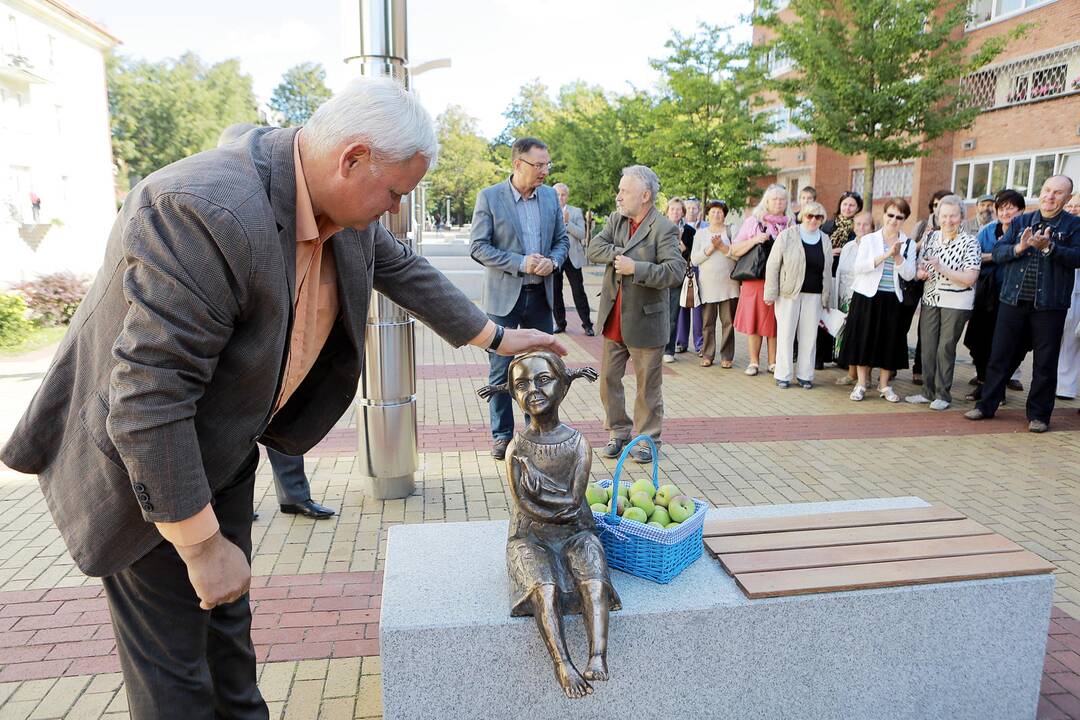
597, 668
572, 683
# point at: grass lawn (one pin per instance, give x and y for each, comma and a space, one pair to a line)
39, 338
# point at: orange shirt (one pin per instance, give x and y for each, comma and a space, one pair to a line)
613, 324
315, 308
316, 302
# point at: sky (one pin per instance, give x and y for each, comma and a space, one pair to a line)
495, 46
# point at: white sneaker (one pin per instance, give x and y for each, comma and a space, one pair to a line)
916, 399
939, 405
751, 369
858, 393
669, 358
772, 367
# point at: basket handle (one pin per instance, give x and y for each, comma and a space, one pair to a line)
618, 470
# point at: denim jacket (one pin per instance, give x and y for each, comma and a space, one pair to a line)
1054, 290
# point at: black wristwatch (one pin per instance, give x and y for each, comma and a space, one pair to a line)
496, 340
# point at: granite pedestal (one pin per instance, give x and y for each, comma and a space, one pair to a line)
698, 648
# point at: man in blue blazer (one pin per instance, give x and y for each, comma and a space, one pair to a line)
519, 238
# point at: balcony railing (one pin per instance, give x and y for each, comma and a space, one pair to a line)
1031, 79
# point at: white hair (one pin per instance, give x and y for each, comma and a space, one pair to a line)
556, 186
646, 177
379, 112
955, 200
770, 192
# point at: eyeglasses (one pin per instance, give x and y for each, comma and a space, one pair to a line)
538, 166
814, 217
895, 217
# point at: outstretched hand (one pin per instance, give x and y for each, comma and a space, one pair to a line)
516, 342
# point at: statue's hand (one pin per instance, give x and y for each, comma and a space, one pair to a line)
528, 478
589, 374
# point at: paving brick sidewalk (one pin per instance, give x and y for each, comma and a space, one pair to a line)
729, 438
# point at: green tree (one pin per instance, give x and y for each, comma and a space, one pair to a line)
528, 115
878, 77
161, 112
701, 133
466, 164
301, 91
588, 149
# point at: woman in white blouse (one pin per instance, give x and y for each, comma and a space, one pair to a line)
719, 294
843, 288
875, 334
949, 263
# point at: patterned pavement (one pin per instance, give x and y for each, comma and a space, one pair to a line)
729, 438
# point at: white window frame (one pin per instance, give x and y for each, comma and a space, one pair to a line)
996, 17
989, 160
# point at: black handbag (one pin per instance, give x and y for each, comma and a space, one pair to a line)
751, 266
912, 289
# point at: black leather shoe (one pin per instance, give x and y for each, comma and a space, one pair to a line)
559, 330
498, 449
613, 448
641, 454
1015, 385
308, 508
590, 332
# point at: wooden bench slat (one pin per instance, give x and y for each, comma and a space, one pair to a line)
844, 536
771, 560
890, 574
825, 521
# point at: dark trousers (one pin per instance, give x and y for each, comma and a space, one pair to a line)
179, 661
577, 289
290, 482
531, 311
1021, 328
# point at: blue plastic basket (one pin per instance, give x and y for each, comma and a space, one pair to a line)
636, 548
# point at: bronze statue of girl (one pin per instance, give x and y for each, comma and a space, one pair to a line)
555, 561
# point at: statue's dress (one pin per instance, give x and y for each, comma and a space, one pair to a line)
553, 541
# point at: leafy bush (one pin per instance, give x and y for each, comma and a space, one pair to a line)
53, 298
14, 327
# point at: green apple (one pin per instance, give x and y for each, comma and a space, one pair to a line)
680, 508
643, 485
595, 494
660, 515
671, 525
665, 493
636, 513
656, 525
599, 507
643, 501
624, 490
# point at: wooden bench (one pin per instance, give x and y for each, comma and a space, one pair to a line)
700, 648
833, 552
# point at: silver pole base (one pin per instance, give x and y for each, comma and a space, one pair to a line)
388, 488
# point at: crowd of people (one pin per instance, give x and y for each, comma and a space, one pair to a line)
815, 288
837, 289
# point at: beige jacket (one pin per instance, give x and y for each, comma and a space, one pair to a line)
786, 269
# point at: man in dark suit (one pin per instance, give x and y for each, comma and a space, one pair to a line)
519, 238
230, 310
640, 249
574, 221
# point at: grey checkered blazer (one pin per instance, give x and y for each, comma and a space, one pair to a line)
166, 377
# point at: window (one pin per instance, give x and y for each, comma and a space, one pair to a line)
1021, 176
960, 180
889, 180
984, 11
1025, 173
1044, 168
784, 127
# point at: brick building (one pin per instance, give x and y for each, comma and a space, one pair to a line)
1029, 127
